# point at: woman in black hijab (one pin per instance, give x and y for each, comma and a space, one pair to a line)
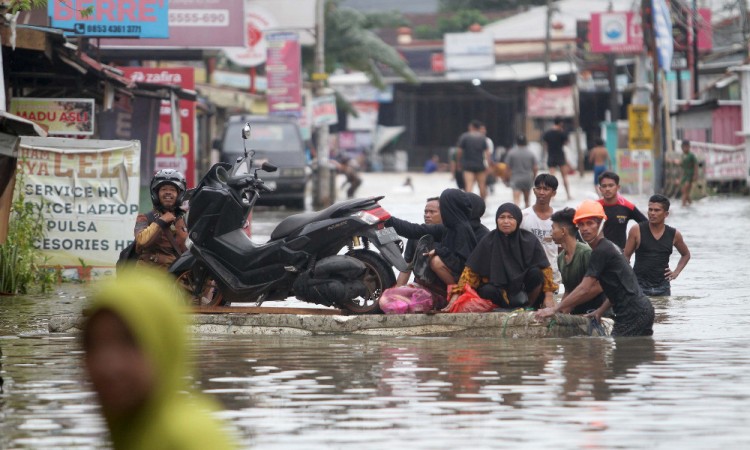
509, 266
455, 238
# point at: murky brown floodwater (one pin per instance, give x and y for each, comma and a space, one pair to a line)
688, 387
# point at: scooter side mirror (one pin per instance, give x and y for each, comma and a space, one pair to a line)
246, 131
267, 167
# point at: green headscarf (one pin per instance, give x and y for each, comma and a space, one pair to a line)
149, 303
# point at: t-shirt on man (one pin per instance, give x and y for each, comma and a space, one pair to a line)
474, 146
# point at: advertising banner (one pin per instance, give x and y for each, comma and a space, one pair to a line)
324, 111
663, 30
88, 194
636, 170
165, 153
132, 18
194, 24
284, 73
61, 116
257, 21
367, 119
550, 102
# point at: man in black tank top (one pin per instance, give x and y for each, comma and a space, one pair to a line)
652, 244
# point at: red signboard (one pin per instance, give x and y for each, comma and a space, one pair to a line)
437, 62
164, 153
284, 73
196, 24
543, 102
616, 32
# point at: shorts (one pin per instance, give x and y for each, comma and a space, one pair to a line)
663, 289
554, 160
598, 170
522, 184
640, 321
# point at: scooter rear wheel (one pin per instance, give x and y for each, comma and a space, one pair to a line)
377, 278
209, 294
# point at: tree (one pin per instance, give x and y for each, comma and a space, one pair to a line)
350, 43
26, 5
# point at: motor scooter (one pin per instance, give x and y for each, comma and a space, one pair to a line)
325, 257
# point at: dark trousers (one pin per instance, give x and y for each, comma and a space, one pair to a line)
517, 297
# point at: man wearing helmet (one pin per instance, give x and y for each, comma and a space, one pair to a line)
160, 234
634, 314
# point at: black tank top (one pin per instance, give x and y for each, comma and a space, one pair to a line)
652, 256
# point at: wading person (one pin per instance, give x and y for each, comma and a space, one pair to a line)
618, 209
599, 159
689, 165
554, 141
509, 266
471, 158
431, 216
137, 357
634, 314
522, 168
652, 243
537, 218
160, 234
573, 261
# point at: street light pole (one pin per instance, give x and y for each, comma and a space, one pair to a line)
323, 193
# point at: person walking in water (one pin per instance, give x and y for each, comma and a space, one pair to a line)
618, 209
652, 243
599, 159
554, 140
689, 166
521, 169
471, 158
634, 313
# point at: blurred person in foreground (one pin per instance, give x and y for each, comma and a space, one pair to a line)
137, 357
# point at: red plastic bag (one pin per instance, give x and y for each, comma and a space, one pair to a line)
470, 302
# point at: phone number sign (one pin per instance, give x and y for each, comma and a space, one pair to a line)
111, 18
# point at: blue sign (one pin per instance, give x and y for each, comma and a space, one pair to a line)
663, 30
111, 18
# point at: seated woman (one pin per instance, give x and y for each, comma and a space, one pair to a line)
509, 266
454, 238
573, 260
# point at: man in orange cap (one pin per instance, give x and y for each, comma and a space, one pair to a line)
634, 314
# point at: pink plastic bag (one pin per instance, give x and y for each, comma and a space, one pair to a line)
406, 299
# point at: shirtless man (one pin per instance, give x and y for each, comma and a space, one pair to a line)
599, 158
652, 244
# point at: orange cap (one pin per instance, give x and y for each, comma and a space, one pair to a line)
587, 209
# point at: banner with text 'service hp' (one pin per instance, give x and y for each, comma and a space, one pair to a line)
111, 18
88, 194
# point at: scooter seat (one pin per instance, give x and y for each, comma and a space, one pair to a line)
296, 221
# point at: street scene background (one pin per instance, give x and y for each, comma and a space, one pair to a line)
684, 388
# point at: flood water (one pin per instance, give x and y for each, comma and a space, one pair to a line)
687, 387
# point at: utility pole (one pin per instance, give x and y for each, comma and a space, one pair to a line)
323, 194
548, 37
696, 85
647, 12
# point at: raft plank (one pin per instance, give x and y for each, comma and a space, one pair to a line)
267, 310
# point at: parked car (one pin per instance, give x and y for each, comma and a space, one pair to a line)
278, 141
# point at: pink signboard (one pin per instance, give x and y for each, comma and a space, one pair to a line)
283, 70
164, 153
544, 102
196, 24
